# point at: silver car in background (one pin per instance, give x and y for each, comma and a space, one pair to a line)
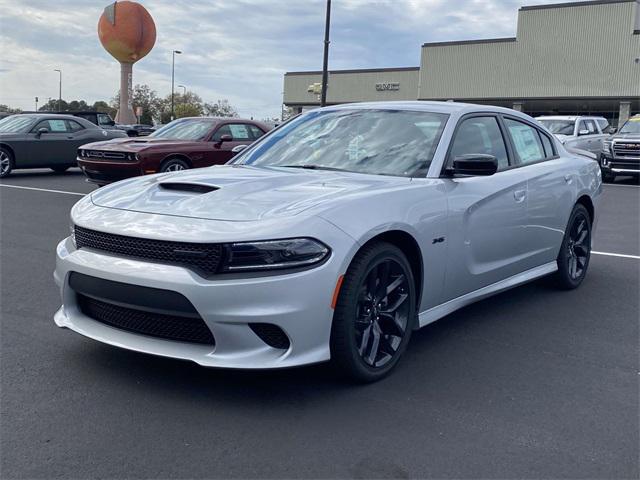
331, 238
579, 133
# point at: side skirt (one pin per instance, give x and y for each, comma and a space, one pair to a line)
437, 312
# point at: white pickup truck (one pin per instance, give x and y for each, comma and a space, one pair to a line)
579, 132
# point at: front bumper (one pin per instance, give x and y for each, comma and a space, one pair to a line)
299, 303
619, 165
104, 172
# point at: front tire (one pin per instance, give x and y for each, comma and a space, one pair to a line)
374, 314
173, 165
575, 251
6, 162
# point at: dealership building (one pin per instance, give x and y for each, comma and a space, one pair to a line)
566, 58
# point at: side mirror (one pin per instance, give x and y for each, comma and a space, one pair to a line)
111, 123
475, 164
41, 131
239, 148
612, 130
583, 132
226, 138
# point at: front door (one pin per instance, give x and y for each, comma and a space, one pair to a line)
240, 133
53, 147
487, 214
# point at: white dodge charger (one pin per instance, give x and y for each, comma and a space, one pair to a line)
331, 238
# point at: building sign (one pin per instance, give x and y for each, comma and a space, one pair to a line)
389, 86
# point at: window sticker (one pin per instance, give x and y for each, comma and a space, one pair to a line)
239, 132
526, 143
57, 126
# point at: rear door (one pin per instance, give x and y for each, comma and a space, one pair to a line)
550, 181
487, 214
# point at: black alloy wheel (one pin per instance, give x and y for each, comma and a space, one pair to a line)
6, 163
375, 313
575, 252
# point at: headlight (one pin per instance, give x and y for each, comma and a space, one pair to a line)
274, 254
606, 147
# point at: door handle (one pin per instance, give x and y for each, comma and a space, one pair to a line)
520, 195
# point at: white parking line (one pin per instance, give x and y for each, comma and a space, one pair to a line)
619, 185
621, 255
42, 189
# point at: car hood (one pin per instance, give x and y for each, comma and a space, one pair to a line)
128, 144
564, 138
626, 136
239, 192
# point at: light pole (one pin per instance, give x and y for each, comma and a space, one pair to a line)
36, 104
325, 60
173, 71
59, 89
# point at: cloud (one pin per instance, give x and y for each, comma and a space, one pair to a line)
238, 50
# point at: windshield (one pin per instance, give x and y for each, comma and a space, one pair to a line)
16, 123
631, 126
192, 129
383, 142
559, 127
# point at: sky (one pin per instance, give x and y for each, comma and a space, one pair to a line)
237, 50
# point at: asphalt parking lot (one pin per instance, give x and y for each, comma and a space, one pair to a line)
531, 383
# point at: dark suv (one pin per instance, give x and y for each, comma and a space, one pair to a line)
621, 152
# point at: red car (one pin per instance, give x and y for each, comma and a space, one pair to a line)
182, 144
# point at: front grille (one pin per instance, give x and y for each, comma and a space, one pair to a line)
271, 334
170, 327
106, 155
203, 258
626, 149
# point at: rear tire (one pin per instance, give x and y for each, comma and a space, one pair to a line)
174, 165
60, 169
374, 315
575, 251
6, 162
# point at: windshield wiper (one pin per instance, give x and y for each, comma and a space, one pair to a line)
313, 167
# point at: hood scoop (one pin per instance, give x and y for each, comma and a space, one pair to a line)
188, 187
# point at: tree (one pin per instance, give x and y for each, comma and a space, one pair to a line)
54, 105
103, 107
221, 108
145, 98
184, 105
8, 109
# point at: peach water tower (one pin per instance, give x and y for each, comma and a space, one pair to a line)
128, 33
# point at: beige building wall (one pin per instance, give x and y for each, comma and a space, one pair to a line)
346, 86
585, 49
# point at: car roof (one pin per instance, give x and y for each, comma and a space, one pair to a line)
427, 106
568, 117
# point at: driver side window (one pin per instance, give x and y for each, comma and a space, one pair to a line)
479, 135
53, 126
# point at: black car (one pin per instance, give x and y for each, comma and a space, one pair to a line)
621, 153
43, 140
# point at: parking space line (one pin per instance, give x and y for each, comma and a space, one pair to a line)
621, 255
42, 189
619, 185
